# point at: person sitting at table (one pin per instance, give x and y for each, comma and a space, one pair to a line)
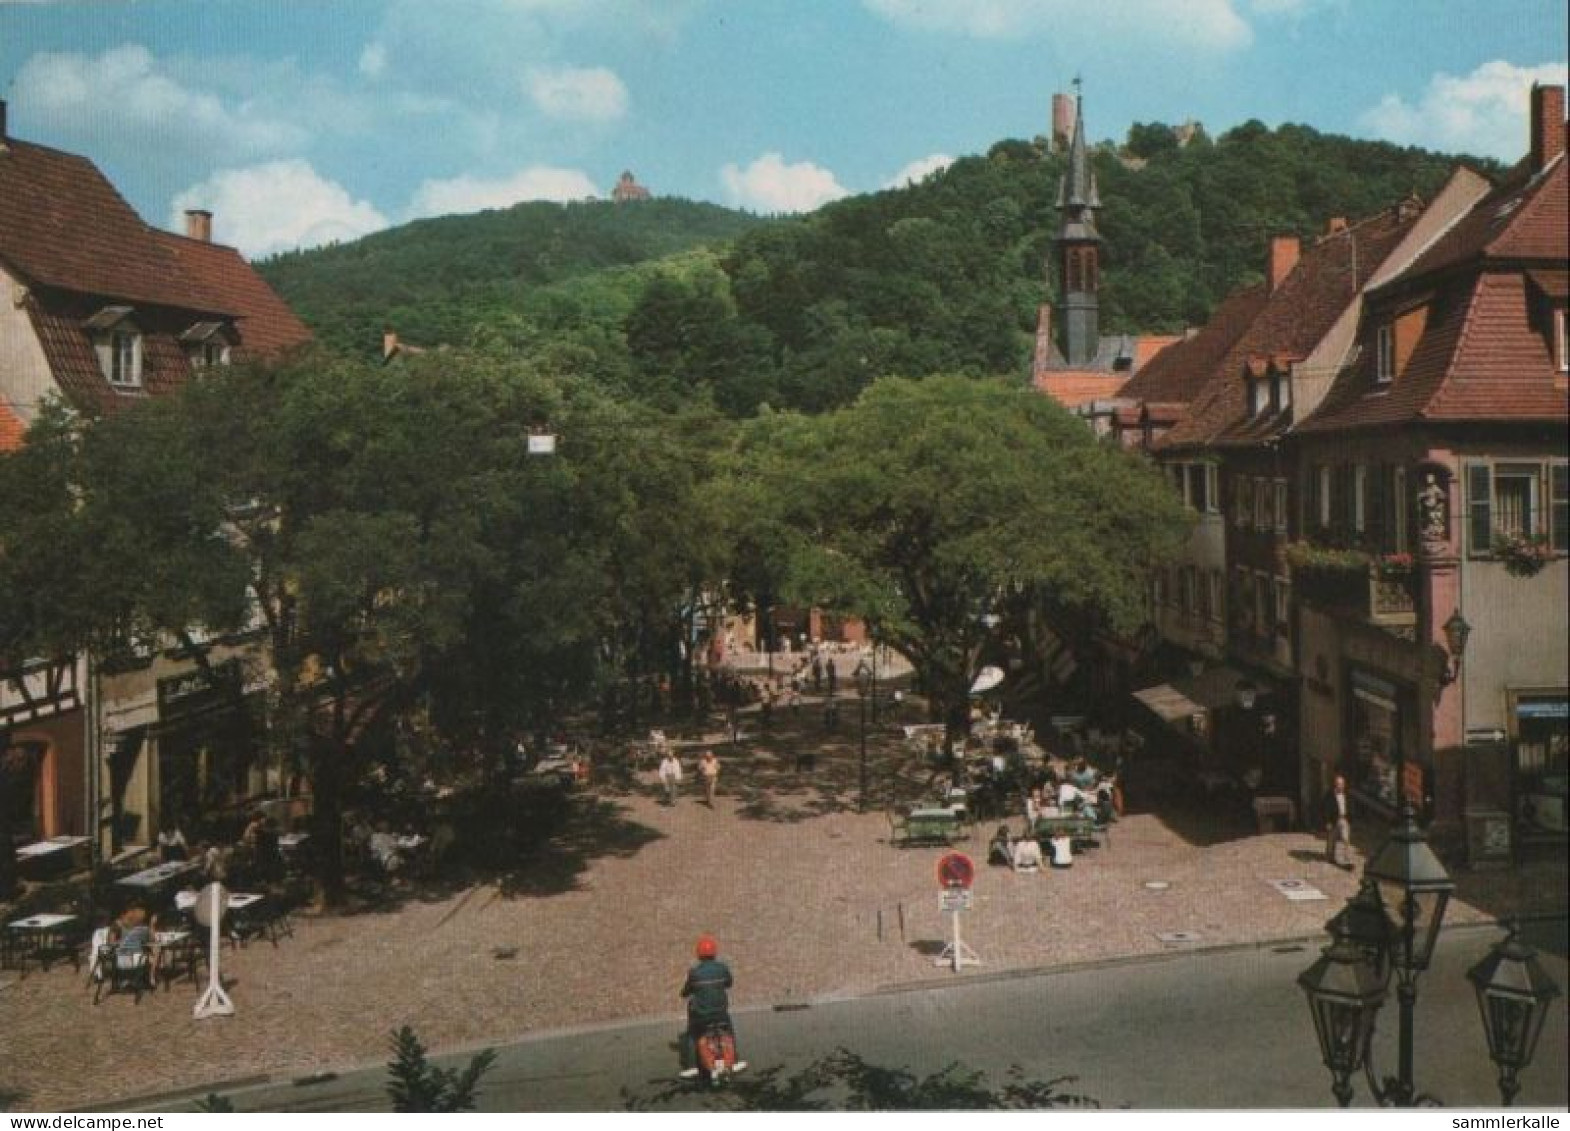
1027, 854
1070, 797
1000, 850
1083, 775
1035, 808
384, 849
171, 843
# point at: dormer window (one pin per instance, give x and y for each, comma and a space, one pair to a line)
118, 342
1256, 397
1385, 357
1280, 391
207, 344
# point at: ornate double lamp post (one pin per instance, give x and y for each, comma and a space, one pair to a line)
1389, 928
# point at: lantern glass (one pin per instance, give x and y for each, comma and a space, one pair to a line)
1456, 631
1513, 995
1415, 887
1365, 924
1344, 996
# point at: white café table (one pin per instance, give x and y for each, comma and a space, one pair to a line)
52, 856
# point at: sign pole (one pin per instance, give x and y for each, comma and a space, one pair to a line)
214, 1002
956, 873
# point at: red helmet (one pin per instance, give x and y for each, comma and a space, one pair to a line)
708, 946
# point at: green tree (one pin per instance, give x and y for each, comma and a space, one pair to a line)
932, 506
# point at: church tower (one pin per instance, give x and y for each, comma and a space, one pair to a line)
1078, 248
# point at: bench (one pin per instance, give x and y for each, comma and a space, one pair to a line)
926, 827
1271, 806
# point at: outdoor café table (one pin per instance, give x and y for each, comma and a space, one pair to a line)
151, 881
44, 938
932, 825
52, 857
294, 847
174, 952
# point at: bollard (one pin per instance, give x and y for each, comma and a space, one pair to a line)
901, 922
880, 924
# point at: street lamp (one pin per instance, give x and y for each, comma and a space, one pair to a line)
1513, 994
1347, 985
863, 678
1456, 631
1345, 995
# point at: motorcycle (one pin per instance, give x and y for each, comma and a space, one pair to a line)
715, 1049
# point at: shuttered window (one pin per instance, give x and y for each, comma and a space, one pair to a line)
1560, 502
1479, 508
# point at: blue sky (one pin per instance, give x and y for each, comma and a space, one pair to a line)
299, 121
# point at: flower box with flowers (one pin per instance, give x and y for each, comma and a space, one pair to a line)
1395, 565
1521, 556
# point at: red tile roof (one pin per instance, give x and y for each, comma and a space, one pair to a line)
1523, 218
1296, 315
11, 429
1074, 387
58, 319
1176, 375
1486, 352
1148, 346
1480, 358
62, 224
265, 322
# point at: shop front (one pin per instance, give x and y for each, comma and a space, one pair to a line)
1540, 743
1384, 761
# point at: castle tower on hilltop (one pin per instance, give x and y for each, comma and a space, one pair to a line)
627, 188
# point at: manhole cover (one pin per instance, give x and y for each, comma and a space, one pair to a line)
1178, 938
1156, 885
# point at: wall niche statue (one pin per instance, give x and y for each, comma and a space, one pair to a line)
1433, 510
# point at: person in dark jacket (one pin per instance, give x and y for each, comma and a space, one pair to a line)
708, 1001
1335, 812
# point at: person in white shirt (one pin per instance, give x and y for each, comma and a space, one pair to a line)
670, 776
1336, 813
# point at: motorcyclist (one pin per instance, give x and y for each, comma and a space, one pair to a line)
708, 1004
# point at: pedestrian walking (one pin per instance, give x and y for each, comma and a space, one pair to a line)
709, 771
1336, 813
670, 776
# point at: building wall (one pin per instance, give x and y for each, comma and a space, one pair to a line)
61, 776
1205, 551
25, 379
1520, 628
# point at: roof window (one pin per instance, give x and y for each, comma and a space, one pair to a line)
117, 340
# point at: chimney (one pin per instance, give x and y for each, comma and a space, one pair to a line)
199, 224
1548, 125
1283, 257
389, 342
1336, 224
2, 125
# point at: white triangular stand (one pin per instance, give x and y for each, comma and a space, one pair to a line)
957, 953
214, 1002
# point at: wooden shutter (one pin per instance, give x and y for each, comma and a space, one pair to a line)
1479, 508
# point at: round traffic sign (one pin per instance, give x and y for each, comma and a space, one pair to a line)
955, 870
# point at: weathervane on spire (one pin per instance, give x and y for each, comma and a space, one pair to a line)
1078, 82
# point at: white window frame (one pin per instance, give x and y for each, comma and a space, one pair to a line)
1218, 590
1283, 608
120, 355
1282, 391
1384, 354
1562, 338
1213, 488
1326, 479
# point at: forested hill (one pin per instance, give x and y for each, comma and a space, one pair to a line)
945, 275
434, 280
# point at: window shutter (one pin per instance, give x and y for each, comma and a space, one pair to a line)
1559, 506
1479, 508
1379, 475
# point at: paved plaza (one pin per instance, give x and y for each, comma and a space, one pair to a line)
807, 896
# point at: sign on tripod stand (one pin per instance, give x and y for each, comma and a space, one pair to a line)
956, 873
210, 908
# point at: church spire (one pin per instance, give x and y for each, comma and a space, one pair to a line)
1078, 246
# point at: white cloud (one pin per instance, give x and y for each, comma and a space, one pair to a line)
1208, 24
919, 170
472, 194
277, 206
71, 94
770, 185
1483, 113
583, 94
373, 60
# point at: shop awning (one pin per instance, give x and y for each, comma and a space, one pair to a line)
1188, 695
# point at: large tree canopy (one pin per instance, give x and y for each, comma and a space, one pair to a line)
933, 506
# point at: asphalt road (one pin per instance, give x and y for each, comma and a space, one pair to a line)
1227, 1029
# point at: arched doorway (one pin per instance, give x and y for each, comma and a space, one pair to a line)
26, 764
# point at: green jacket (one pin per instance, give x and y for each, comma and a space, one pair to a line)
705, 989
